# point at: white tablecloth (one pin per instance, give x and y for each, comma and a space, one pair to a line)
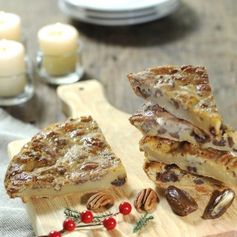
14, 221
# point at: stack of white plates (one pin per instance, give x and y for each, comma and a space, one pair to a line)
118, 12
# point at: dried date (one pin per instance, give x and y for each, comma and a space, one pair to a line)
218, 204
180, 201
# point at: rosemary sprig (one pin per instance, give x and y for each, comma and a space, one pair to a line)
69, 213
88, 225
98, 218
142, 222
78, 227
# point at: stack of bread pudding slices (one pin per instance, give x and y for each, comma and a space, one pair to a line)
186, 144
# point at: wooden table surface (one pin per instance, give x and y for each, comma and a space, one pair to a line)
199, 32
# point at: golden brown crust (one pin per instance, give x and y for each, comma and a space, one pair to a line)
173, 77
72, 152
186, 88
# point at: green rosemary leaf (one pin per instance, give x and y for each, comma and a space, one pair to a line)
143, 220
97, 219
104, 215
71, 213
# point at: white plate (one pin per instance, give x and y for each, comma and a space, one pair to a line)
114, 20
90, 13
121, 5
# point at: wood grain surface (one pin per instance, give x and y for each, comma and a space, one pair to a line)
199, 32
87, 98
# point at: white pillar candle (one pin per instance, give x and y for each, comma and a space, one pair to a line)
58, 44
10, 26
12, 68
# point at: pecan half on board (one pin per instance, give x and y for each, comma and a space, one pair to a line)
146, 200
100, 202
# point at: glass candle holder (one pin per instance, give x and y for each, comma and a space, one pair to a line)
17, 89
24, 40
60, 69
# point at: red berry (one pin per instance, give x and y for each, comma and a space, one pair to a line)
69, 225
109, 223
125, 208
54, 234
86, 216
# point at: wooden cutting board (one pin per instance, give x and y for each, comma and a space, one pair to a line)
87, 98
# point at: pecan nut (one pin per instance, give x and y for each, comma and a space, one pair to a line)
146, 200
219, 202
100, 202
89, 166
180, 201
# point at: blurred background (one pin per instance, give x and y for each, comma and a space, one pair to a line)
197, 32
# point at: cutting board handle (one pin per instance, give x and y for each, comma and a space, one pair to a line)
82, 98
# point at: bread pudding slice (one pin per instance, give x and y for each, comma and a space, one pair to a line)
153, 120
183, 91
64, 158
164, 175
216, 164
